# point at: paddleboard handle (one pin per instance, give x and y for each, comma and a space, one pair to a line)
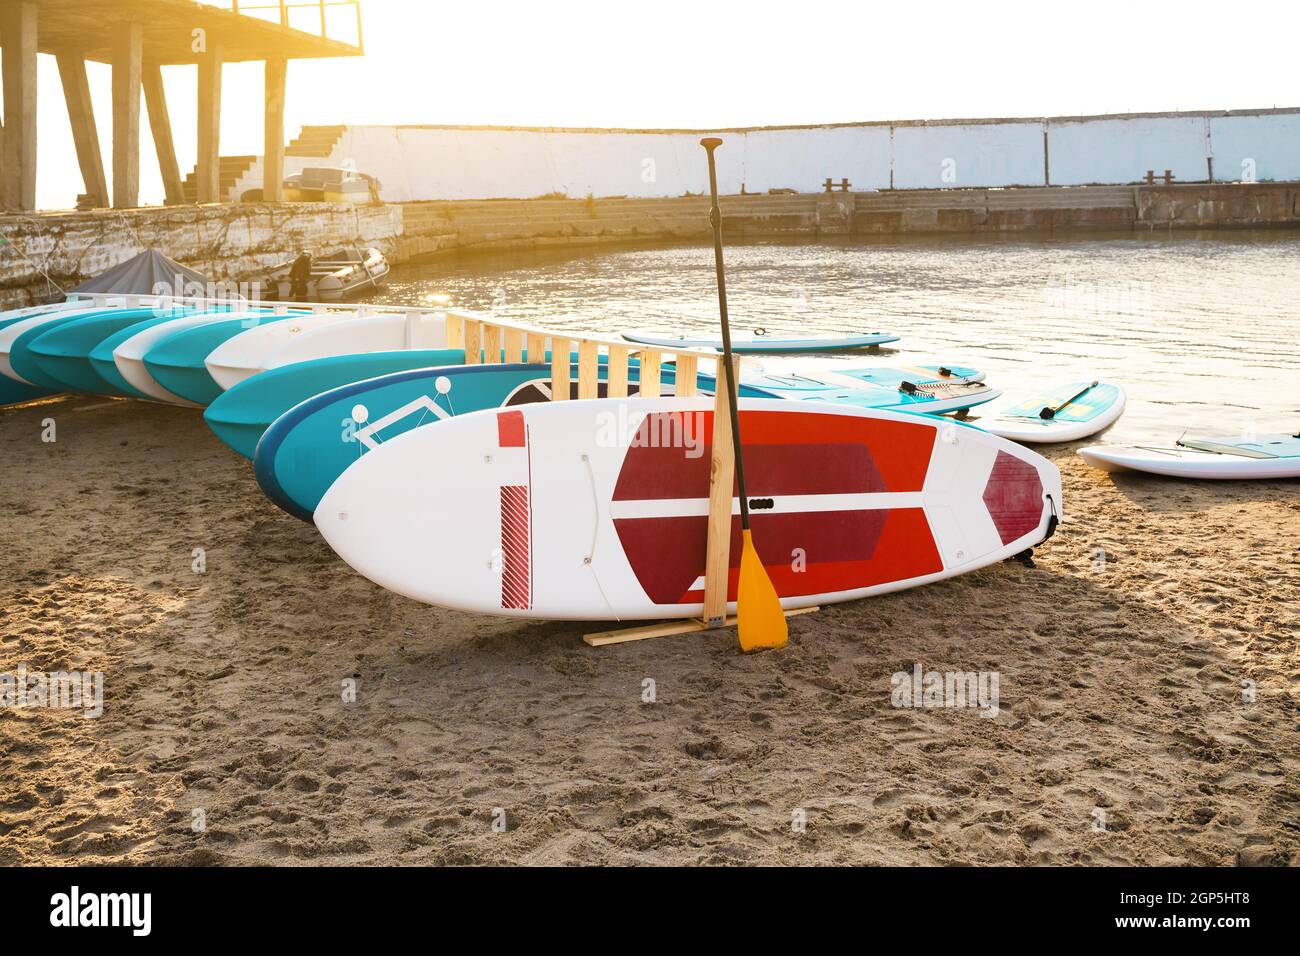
1048, 413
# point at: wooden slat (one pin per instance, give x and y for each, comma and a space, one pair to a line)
491, 344
455, 336
649, 376
722, 476
687, 366
616, 373
668, 629
559, 368
473, 342
514, 346
536, 346
588, 370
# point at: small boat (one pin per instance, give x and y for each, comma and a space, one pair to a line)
331, 184
334, 278
759, 342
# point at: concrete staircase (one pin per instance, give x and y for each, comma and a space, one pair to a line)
316, 142
233, 169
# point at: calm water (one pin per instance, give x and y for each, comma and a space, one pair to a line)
1202, 330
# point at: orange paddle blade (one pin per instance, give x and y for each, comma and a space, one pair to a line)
762, 623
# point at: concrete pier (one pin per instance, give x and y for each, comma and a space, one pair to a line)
138, 38
241, 242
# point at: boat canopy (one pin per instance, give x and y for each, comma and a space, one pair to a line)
149, 273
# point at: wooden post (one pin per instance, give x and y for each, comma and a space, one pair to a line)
473, 342
514, 346
455, 330
649, 375
559, 368
277, 69
687, 370
492, 344
18, 22
722, 477
209, 164
128, 46
85, 135
616, 373
588, 370
536, 349
160, 124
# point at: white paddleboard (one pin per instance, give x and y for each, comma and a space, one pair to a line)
11, 333
320, 336
1079, 409
1270, 456
597, 510
129, 356
752, 342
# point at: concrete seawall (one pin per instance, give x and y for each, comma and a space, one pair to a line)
240, 242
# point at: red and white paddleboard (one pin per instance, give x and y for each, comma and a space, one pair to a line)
597, 510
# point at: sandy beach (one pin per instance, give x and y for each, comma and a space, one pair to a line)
1123, 734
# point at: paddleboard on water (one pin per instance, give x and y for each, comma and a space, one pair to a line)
597, 510
1269, 456
129, 350
310, 445
1078, 410
175, 362
754, 344
322, 336
63, 353
931, 395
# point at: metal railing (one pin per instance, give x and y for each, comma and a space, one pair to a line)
285, 8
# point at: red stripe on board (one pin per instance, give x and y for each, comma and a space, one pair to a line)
510, 429
516, 558
786, 453
1013, 497
839, 551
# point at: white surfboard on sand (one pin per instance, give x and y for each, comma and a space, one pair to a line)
598, 509
321, 336
129, 356
1268, 456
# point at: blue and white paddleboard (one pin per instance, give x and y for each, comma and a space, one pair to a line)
758, 344
921, 390
311, 444
1266, 456
176, 361
1065, 413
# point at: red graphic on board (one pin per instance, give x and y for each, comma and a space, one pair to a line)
1014, 497
516, 557
811, 552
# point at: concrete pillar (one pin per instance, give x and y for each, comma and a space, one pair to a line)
209, 171
18, 180
273, 151
155, 100
128, 47
85, 134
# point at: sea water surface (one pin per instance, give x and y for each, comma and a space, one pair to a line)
1202, 329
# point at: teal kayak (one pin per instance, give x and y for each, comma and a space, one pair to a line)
63, 353
26, 362
176, 362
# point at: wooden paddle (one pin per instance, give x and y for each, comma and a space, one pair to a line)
1050, 413
761, 621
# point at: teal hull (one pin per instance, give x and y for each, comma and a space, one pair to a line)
12, 392
101, 358
63, 354
240, 416
26, 363
176, 362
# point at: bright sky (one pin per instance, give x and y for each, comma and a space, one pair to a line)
702, 63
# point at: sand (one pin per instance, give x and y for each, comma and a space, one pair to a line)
1122, 736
